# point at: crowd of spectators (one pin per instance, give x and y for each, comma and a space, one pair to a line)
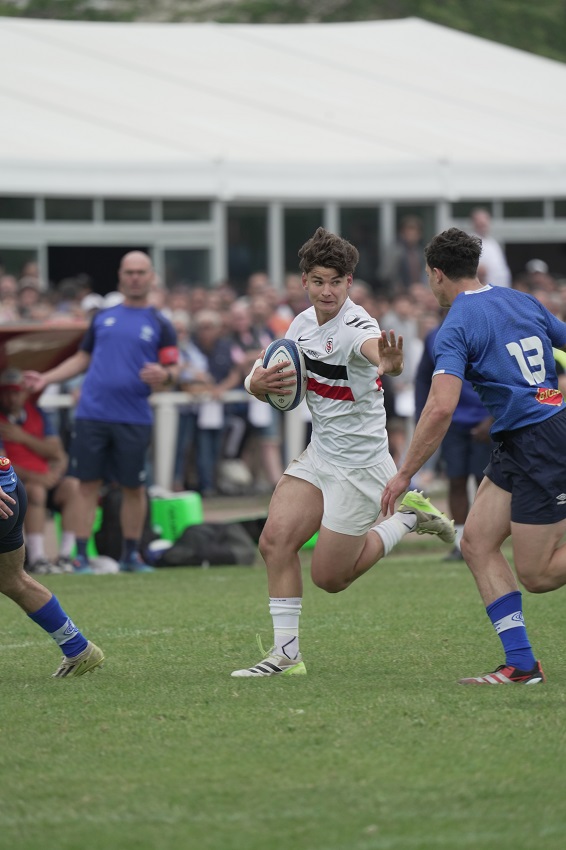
238, 447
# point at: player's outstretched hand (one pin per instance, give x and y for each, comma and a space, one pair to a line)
390, 354
394, 488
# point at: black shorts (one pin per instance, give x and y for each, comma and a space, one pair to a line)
530, 463
11, 529
111, 451
462, 455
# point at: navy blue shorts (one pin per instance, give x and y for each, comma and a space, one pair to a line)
530, 463
11, 533
111, 451
462, 455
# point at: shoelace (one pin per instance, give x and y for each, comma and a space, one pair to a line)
264, 653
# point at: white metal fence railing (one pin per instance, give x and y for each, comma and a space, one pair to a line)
167, 405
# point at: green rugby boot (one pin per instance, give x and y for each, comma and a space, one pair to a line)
429, 519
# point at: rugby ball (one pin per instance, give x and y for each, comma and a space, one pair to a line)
279, 351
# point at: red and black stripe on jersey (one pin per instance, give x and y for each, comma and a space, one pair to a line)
333, 372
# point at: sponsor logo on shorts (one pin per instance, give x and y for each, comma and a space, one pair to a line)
548, 395
561, 499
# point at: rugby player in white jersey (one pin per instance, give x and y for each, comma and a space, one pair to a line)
335, 486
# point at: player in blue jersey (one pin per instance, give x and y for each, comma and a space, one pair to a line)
79, 654
501, 340
466, 447
128, 351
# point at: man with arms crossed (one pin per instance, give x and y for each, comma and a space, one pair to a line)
501, 340
128, 351
335, 486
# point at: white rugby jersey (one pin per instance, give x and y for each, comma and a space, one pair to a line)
344, 391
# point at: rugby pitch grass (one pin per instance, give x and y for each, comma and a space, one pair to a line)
377, 748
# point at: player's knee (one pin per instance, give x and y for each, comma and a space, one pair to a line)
536, 582
12, 584
472, 548
328, 582
276, 538
267, 542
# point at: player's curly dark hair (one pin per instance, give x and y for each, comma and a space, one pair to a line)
329, 251
454, 252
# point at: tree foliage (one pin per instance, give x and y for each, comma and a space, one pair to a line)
538, 27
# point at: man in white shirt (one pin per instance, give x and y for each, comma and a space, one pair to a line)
493, 263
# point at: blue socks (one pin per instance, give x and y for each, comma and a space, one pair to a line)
56, 623
129, 549
506, 614
82, 544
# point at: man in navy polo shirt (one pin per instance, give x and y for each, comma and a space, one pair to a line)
128, 351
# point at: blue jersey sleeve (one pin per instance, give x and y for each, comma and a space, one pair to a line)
87, 342
501, 340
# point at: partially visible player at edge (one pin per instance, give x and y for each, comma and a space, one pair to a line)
501, 340
79, 654
335, 486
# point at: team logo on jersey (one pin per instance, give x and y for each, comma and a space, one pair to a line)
146, 333
329, 345
109, 321
547, 395
354, 320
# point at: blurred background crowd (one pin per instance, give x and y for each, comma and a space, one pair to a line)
238, 447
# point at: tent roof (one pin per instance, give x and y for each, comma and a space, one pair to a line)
395, 109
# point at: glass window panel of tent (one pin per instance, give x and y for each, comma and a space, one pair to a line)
16, 209
187, 266
300, 224
425, 212
560, 208
247, 243
360, 226
463, 209
127, 209
14, 260
186, 210
523, 209
68, 209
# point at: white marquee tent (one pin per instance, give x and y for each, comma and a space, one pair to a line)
358, 110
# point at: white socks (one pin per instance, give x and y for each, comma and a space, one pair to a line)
285, 613
35, 547
67, 544
393, 530
459, 529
